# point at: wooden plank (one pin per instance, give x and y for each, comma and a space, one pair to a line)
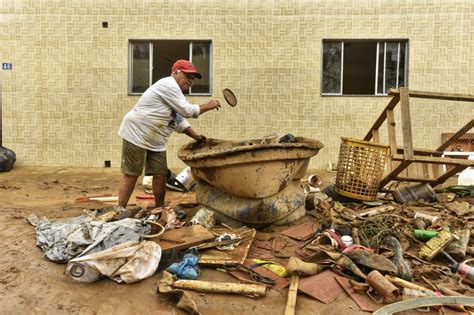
457, 135
435, 95
442, 160
448, 174
414, 179
376, 135
402, 166
392, 139
393, 102
406, 124
184, 237
216, 257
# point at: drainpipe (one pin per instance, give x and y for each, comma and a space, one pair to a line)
1, 142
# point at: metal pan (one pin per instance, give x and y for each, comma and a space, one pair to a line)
230, 97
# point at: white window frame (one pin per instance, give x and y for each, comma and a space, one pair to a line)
150, 78
385, 61
378, 41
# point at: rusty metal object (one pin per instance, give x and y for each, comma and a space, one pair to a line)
249, 168
382, 286
229, 97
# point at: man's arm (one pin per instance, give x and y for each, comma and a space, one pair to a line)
191, 133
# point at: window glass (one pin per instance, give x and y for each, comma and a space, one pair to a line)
401, 67
380, 71
391, 65
140, 69
332, 61
201, 59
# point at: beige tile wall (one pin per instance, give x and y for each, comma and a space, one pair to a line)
64, 99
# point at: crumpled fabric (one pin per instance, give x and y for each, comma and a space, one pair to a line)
127, 262
65, 239
187, 268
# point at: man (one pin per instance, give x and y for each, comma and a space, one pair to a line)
145, 129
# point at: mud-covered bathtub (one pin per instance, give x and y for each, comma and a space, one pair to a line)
250, 181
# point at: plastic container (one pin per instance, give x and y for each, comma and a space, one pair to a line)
347, 240
185, 178
424, 235
360, 168
466, 272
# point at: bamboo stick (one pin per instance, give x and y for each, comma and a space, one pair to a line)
222, 287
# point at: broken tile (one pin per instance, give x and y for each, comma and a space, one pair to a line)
322, 287
302, 231
362, 300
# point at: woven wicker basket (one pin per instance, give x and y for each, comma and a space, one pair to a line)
360, 168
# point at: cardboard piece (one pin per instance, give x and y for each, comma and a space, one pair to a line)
184, 237
302, 231
322, 287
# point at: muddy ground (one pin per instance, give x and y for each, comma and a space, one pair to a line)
30, 284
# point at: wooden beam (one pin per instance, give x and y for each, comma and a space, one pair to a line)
434, 95
406, 124
392, 138
435, 160
414, 179
375, 135
457, 135
403, 165
442, 160
448, 174
393, 102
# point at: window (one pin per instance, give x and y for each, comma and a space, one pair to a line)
151, 60
363, 67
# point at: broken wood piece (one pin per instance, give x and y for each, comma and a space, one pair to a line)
88, 198
189, 236
292, 295
105, 199
404, 284
218, 243
238, 255
458, 248
222, 287
375, 211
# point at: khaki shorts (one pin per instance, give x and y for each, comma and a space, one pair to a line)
134, 158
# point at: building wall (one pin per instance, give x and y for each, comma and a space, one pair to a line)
67, 92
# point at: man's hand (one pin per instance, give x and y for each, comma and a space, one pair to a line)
200, 138
213, 104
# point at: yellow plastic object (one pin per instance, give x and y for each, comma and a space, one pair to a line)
435, 245
360, 168
273, 267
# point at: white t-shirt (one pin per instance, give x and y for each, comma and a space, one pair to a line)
158, 112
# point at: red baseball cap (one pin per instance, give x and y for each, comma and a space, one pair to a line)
186, 66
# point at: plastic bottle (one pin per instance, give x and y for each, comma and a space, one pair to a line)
466, 272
